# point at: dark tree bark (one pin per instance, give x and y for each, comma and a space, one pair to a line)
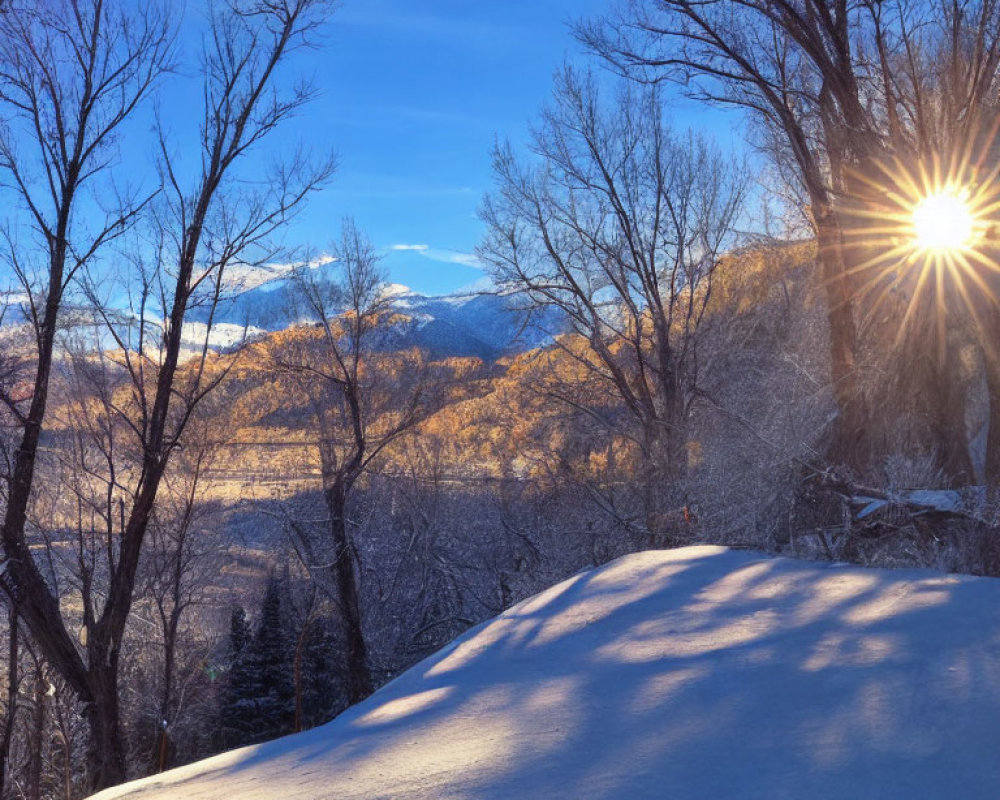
36, 747
359, 684
13, 690
992, 366
851, 439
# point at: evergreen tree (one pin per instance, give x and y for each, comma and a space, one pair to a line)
324, 690
257, 700
270, 657
239, 633
236, 703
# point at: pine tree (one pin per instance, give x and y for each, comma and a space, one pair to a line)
236, 704
235, 710
324, 691
257, 701
270, 658
239, 633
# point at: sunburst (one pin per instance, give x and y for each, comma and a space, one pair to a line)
919, 234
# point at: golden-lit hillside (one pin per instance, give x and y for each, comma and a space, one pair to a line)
528, 415
513, 417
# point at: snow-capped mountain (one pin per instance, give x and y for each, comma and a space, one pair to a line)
486, 326
482, 325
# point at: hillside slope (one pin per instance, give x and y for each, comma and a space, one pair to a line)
694, 673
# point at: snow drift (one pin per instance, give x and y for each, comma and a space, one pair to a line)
693, 673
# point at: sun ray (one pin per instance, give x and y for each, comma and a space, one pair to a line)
918, 237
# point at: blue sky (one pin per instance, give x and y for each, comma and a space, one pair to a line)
414, 94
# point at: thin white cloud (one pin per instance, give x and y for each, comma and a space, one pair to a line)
441, 254
452, 257
456, 257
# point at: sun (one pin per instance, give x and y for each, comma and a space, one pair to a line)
943, 222
920, 240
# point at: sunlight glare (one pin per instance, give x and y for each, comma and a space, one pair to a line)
942, 221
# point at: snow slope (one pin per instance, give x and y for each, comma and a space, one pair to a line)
693, 673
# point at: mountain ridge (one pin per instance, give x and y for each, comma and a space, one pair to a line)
483, 325
480, 324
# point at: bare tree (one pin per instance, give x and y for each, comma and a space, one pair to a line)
181, 563
858, 100
198, 232
619, 225
72, 74
750, 60
364, 399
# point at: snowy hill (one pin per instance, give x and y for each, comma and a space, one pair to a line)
693, 673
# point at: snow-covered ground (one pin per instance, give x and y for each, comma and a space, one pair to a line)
693, 673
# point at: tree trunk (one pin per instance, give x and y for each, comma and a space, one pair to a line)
37, 733
946, 396
991, 361
850, 444
920, 402
665, 471
358, 679
167, 695
106, 750
13, 684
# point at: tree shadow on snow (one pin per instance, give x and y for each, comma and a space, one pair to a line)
697, 673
